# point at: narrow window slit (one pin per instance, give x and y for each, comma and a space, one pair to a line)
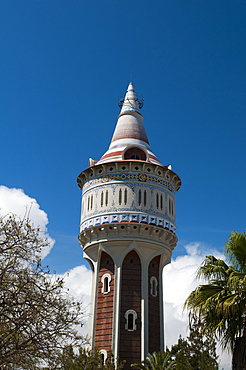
145, 198
125, 196
106, 198
139, 197
120, 197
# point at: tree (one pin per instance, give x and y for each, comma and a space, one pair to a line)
87, 360
36, 316
220, 304
156, 361
202, 349
198, 351
180, 352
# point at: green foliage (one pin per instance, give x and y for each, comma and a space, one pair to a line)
220, 304
156, 361
235, 250
198, 351
36, 315
87, 360
180, 352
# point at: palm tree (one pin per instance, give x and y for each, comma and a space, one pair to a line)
220, 304
156, 361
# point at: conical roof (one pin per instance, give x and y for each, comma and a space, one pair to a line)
129, 140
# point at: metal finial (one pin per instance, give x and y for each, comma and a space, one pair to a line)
130, 76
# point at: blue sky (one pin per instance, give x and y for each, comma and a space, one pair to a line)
63, 66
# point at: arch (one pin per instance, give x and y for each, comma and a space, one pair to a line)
104, 301
130, 307
106, 278
134, 152
131, 317
90, 263
154, 303
104, 355
106, 263
153, 286
133, 247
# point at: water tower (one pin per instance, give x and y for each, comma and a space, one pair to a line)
128, 232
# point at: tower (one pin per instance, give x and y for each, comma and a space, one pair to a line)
128, 232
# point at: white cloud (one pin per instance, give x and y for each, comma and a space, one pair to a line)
15, 201
78, 282
178, 277
178, 280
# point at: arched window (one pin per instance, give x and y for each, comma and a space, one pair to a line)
130, 321
131, 317
104, 355
153, 286
135, 156
135, 153
106, 285
106, 278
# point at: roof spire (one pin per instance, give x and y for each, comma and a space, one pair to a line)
129, 132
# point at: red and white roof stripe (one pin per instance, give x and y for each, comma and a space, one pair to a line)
129, 132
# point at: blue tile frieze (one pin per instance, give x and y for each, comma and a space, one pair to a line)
131, 217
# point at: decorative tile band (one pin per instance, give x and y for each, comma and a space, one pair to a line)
136, 218
124, 177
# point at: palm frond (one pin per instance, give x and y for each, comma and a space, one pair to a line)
156, 361
220, 304
235, 249
213, 269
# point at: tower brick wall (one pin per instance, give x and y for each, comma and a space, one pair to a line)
130, 341
105, 303
154, 306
